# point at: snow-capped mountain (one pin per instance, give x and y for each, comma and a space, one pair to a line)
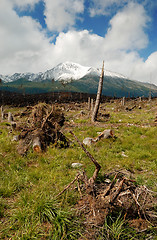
64, 71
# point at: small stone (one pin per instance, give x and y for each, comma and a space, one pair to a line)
88, 141
15, 138
124, 155
107, 180
76, 165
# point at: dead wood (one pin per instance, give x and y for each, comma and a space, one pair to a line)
2, 112
107, 133
36, 144
97, 103
98, 167
97, 200
10, 117
69, 185
47, 118
109, 187
113, 198
43, 127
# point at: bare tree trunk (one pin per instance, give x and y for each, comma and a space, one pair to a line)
10, 117
150, 96
92, 105
2, 113
89, 103
123, 101
97, 103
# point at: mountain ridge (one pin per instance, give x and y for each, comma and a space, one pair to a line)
73, 77
64, 71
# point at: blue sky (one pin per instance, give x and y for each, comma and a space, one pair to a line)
36, 35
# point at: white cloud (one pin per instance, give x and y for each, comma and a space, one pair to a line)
22, 41
22, 4
62, 14
82, 47
146, 71
127, 28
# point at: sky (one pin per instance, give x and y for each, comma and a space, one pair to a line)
36, 35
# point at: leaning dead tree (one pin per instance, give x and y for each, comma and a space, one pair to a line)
97, 103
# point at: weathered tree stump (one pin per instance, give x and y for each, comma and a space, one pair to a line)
10, 117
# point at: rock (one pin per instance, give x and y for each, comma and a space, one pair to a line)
124, 155
88, 141
107, 133
15, 138
107, 180
76, 165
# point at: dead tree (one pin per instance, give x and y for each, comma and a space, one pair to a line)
89, 104
2, 113
123, 101
92, 105
97, 103
10, 117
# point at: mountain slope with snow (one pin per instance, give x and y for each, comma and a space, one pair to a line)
72, 77
65, 71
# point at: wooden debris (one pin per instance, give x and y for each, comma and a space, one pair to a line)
117, 191
98, 167
123, 101
10, 117
36, 144
121, 195
89, 103
107, 133
43, 128
69, 185
109, 187
2, 112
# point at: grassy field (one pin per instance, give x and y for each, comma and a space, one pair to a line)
29, 184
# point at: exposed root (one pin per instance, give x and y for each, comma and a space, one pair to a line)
43, 128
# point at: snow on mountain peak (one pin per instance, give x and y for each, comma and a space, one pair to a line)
66, 71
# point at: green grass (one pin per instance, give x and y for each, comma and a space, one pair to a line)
29, 184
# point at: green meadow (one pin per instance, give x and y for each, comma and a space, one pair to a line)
29, 184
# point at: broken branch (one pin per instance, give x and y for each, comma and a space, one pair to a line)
98, 167
68, 185
118, 191
110, 186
